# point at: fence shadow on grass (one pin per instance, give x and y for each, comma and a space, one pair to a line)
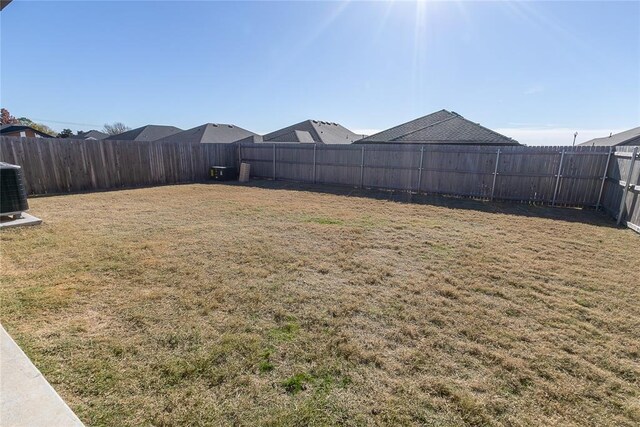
581, 215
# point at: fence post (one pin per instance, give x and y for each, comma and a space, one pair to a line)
362, 169
420, 169
627, 184
315, 146
274, 162
495, 174
604, 178
555, 192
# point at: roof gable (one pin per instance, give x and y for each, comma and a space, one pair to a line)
311, 131
208, 133
146, 133
91, 134
303, 136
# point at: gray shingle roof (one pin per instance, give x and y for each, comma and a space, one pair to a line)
145, 133
628, 137
220, 133
250, 139
90, 134
441, 127
313, 131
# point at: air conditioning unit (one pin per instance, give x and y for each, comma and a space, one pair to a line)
13, 196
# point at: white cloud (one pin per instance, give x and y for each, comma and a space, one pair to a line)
534, 89
553, 136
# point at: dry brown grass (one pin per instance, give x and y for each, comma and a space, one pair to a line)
217, 305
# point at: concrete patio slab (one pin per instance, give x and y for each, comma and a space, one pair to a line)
25, 220
26, 398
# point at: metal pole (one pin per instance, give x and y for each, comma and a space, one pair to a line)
274, 162
495, 174
627, 184
362, 169
604, 178
239, 156
314, 162
555, 192
420, 169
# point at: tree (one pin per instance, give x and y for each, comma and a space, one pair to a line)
7, 118
115, 128
37, 126
66, 133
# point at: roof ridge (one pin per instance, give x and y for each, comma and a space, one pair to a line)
403, 124
287, 129
486, 128
428, 126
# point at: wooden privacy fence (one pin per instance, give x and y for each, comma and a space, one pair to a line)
52, 166
564, 176
567, 176
621, 193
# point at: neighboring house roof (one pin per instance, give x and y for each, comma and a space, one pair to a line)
251, 139
11, 128
90, 134
145, 133
441, 127
628, 137
313, 131
208, 133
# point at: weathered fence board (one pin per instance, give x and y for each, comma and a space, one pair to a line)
525, 174
53, 166
623, 171
564, 176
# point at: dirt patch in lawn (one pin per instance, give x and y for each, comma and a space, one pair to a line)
221, 304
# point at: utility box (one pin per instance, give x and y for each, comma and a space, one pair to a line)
245, 171
223, 173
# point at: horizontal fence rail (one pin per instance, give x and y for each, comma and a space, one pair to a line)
565, 176
560, 176
621, 187
52, 166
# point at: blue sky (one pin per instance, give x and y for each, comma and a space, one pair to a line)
536, 71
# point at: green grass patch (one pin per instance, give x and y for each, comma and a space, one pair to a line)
324, 220
265, 365
286, 332
297, 382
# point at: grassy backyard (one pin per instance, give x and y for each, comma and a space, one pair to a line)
227, 305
